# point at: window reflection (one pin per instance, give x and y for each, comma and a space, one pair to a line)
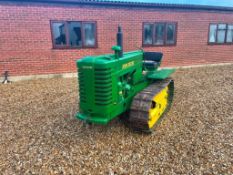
75, 37
89, 34
148, 34
59, 33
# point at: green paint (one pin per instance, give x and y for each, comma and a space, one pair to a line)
107, 84
160, 74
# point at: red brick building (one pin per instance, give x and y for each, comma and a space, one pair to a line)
47, 36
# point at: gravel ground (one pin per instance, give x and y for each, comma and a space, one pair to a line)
39, 134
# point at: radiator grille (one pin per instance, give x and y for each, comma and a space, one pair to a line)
82, 91
103, 86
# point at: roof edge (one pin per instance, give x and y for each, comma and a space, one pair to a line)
131, 4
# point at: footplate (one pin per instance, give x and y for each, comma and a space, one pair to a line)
151, 104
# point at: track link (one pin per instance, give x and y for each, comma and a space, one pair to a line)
142, 103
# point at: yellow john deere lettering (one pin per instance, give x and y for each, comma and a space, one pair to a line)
129, 64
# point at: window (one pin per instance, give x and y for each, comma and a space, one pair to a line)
75, 37
89, 34
148, 34
73, 34
59, 33
221, 34
229, 34
159, 34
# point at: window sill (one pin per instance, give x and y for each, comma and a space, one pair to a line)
217, 44
73, 48
171, 45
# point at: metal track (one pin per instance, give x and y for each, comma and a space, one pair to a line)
139, 111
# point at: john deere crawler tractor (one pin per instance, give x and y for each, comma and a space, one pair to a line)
129, 85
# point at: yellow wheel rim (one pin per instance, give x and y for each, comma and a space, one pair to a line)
159, 104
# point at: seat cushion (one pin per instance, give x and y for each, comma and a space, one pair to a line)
150, 64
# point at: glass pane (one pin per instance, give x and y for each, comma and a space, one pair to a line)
230, 27
89, 34
171, 28
159, 34
59, 36
230, 34
75, 37
147, 35
222, 26
212, 34
221, 36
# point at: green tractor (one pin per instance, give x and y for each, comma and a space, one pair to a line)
129, 85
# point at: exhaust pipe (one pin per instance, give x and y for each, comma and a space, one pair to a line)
120, 41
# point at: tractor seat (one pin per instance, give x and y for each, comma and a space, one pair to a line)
152, 60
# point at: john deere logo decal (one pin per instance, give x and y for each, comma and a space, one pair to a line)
126, 65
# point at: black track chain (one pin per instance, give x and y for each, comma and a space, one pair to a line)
139, 110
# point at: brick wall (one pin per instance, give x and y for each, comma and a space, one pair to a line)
26, 46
